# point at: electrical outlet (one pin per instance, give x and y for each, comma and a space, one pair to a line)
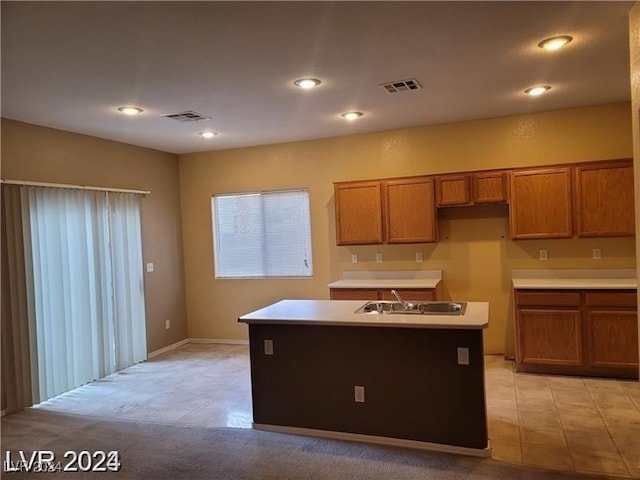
167, 324
354, 258
150, 267
268, 347
358, 393
544, 254
463, 356
596, 254
419, 257
378, 258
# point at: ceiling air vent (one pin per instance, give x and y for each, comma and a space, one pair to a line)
402, 85
188, 116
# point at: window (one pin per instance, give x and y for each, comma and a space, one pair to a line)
266, 234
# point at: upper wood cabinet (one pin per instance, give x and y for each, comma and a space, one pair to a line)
471, 188
358, 213
593, 199
409, 210
490, 187
604, 199
453, 190
541, 204
387, 211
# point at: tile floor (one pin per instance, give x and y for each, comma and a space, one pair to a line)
562, 423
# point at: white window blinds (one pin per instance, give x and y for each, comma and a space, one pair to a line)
83, 255
265, 234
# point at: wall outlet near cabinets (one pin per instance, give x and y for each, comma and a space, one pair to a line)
378, 258
419, 257
354, 258
596, 253
358, 393
544, 254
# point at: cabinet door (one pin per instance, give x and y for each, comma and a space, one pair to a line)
605, 200
489, 187
549, 336
411, 295
613, 338
410, 210
541, 203
453, 190
358, 213
354, 294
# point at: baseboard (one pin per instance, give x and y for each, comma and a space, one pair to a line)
168, 348
394, 442
219, 340
173, 346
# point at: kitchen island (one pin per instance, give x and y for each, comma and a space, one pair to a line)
318, 368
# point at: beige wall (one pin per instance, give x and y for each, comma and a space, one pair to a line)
43, 154
475, 253
634, 46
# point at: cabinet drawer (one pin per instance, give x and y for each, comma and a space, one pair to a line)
611, 299
354, 294
547, 299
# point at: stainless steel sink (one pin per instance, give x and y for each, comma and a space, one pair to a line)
419, 308
380, 306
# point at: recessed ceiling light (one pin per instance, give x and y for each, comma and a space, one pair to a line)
307, 83
208, 134
130, 110
539, 90
351, 115
554, 43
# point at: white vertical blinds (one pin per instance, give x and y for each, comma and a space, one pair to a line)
265, 234
83, 253
128, 287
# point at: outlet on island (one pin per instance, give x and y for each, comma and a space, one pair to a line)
358, 391
463, 356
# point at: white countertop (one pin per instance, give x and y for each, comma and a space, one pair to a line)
611, 279
388, 279
341, 313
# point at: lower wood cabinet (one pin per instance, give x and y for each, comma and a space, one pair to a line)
412, 295
550, 336
588, 332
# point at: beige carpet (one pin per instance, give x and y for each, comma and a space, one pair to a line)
155, 451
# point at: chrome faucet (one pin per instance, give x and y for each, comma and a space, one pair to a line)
405, 305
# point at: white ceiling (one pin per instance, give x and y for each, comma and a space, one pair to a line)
68, 65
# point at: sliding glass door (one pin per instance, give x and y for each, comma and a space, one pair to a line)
85, 298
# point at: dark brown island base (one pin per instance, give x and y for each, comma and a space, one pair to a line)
318, 368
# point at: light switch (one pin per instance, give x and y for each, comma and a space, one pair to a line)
268, 347
150, 267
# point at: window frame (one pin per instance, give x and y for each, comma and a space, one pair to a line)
261, 193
